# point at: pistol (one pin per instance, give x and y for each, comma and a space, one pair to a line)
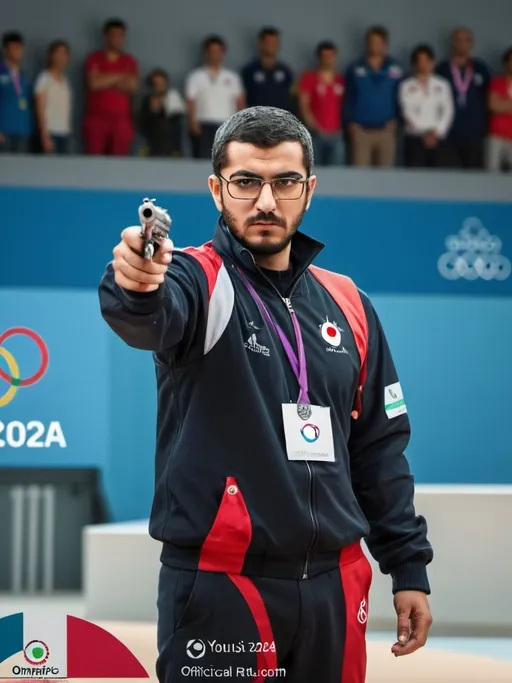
155, 223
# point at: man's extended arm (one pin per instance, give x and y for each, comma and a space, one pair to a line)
170, 319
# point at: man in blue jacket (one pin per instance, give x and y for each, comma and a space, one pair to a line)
16, 109
371, 102
274, 459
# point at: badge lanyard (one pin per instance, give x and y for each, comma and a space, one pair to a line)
462, 85
16, 82
298, 364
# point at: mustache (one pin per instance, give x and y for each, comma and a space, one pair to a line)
269, 217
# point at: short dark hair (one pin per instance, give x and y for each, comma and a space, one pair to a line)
268, 31
506, 56
264, 127
380, 31
12, 37
157, 73
214, 40
325, 45
422, 49
114, 23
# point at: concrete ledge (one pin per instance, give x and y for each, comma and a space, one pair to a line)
171, 175
470, 577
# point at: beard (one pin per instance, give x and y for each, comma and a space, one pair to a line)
262, 249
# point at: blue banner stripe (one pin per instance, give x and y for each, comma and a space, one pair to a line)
387, 246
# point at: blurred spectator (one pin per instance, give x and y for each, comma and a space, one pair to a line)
371, 106
53, 101
469, 79
427, 108
161, 116
321, 104
112, 78
500, 129
213, 94
267, 81
16, 112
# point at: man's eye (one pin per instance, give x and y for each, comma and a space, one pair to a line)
286, 182
246, 183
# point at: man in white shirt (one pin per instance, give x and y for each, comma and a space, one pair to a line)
427, 106
213, 94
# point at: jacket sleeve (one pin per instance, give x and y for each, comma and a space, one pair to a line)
170, 321
381, 475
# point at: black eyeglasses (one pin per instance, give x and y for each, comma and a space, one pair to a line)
250, 188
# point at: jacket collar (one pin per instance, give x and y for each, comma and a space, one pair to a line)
304, 250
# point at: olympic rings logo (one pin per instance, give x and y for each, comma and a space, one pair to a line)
14, 378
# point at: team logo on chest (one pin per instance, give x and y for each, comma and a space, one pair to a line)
331, 334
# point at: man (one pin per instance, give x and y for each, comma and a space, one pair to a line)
469, 79
321, 105
16, 109
500, 128
214, 93
268, 81
112, 79
427, 109
265, 480
371, 108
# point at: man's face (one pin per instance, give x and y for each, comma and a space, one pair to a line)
214, 54
269, 46
462, 43
115, 38
424, 65
328, 59
264, 225
159, 84
376, 46
14, 52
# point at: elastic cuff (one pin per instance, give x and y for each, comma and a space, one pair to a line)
410, 576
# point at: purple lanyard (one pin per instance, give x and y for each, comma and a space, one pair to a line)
298, 364
16, 81
461, 85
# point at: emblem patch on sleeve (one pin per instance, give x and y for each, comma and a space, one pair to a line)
394, 403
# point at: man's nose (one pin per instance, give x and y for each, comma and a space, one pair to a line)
266, 201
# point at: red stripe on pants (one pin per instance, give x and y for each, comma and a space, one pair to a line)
356, 578
264, 660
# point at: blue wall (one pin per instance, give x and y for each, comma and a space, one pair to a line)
450, 338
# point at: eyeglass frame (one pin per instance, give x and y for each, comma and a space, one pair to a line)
301, 181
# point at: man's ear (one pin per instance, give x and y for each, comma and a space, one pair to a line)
311, 188
215, 186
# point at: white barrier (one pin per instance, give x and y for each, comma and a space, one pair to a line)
470, 528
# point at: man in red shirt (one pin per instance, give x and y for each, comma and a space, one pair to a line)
112, 78
321, 103
500, 127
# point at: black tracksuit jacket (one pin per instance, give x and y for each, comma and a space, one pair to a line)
222, 376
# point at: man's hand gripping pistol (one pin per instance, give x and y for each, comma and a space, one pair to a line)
155, 223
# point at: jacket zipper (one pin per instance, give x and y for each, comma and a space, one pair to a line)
314, 522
